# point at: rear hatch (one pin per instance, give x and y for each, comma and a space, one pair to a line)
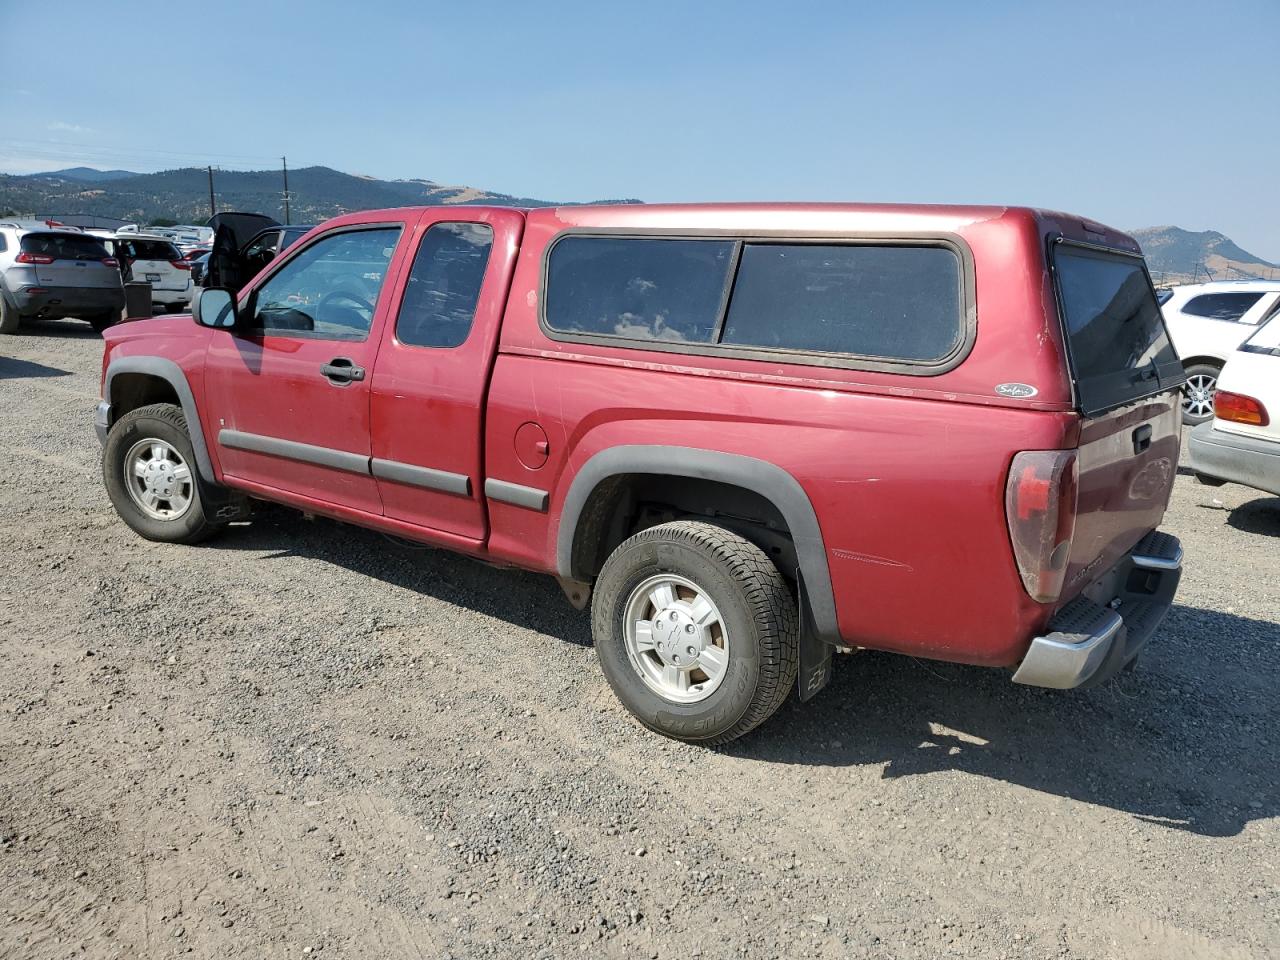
69, 260
1127, 378
158, 262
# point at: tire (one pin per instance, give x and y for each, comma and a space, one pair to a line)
174, 307
132, 438
10, 319
101, 321
754, 614
1197, 408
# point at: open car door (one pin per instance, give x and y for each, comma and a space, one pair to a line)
231, 231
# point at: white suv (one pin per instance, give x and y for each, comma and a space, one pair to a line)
56, 271
1207, 321
157, 261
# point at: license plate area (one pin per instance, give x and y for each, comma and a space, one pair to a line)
153, 278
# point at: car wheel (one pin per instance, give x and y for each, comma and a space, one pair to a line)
1197, 394
103, 320
10, 319
174, 307
149, 468
696, 631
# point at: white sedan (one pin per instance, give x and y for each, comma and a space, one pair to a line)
1241, 443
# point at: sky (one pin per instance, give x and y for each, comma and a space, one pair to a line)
1133, 113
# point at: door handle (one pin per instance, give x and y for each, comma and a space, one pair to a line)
341, 370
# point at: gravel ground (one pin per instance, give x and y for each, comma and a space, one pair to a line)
303, 739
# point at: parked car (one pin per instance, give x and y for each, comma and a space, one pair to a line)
747, 434
243, 244
158, 262
1242, 443
199, 263
1207, 322
56, 272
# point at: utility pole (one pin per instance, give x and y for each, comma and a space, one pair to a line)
213, 206
284, 163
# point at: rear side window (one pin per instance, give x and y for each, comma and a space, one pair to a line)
638, 289
64, 246
1119, 348
151, 250
897, 302
866, 300
440, 296
1221, 306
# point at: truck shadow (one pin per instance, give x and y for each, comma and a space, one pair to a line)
1190, 740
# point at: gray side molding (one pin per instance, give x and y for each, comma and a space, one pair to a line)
172, 374
293, 450
424, 477
531, 498
767, 479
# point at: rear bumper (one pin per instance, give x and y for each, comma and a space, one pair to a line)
171, 295
67, 301
1096, 634
1228, 456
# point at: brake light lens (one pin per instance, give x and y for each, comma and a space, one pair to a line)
1040, 506
1237, 408
33, 258
180, 264
110, 262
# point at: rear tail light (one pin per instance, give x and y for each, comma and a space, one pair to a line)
33, 258
1237, 408
1040, 504
181, 264
110, 262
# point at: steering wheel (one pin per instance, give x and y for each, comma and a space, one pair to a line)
355, 298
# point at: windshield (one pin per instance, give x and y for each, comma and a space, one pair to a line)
1120, 350
64, 246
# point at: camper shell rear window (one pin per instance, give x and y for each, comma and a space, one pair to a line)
1117, 343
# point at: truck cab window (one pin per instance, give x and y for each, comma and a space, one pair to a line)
440, 297
330, 289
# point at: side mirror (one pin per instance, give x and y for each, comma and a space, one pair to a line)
216, 307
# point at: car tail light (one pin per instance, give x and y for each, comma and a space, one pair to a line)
181, 264
1237, 408
110, 262
1040, 505
25, 257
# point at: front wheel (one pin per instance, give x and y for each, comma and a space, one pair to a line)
696, 631
1197, 394
149, 468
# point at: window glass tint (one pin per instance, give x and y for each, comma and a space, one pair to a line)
1221, 306
4, 244
64, 246
1119, 347
872, 301
330, 288
151, 250
444, 285
641, 289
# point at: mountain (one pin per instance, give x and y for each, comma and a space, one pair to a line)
88, 174
316, 193
1175, 255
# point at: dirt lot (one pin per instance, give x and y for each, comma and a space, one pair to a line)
304, 739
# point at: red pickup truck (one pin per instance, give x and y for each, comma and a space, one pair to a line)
748, 435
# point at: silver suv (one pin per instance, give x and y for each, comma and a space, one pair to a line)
50, 271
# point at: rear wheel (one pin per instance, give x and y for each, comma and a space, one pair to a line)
1197, 394
9, 317
696, 631
101, 321
148, 466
